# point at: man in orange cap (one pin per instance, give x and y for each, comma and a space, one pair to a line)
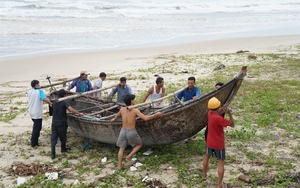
215, 144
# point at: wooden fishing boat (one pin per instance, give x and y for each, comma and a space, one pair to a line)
180, 121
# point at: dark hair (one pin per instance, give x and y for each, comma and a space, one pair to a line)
159, 80
34, 82
61, 93
102, 74
128, 99
219, 84
122, 79
192, 78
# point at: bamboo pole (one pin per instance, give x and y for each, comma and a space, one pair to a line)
99, 112
58, 83
157, 100
85, 93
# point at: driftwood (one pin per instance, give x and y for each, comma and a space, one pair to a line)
160, 99
84, 93
61, 82
21, 169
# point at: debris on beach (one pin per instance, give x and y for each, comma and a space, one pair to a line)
138, 164
75, 182
148, 152
244, 178
103, 160
130, 184
86, 146
219, 67
252, 57
51, 175
132, 168
21, 169
242, 51
20, 180
153, 183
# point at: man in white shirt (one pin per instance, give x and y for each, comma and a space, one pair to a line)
156, 92
98, 84
36, 98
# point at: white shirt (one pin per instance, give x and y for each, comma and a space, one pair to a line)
98, 84
36, 97
155, 96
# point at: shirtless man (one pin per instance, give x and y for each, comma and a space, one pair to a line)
156, 92
128, 133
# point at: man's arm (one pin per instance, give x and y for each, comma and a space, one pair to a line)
179, 96
95, 94
74, 111
198, 93
46, 100
116, 116
90, 87
43, 97
231, 120
112, 93
72, 85
129, 90
146, 118
163, 92
150, 91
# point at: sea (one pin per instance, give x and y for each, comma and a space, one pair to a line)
29, 27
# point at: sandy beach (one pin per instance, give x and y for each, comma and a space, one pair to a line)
17, 72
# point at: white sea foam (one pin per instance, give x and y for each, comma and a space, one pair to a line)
29, 26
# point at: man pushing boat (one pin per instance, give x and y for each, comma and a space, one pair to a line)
128, 133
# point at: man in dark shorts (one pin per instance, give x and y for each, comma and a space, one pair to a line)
59, 125
128, 133
215, 144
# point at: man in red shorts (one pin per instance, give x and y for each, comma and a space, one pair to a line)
215, 139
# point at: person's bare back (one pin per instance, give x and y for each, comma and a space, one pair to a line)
128, 124
128, 118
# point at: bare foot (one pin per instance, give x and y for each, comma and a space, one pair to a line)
128, 158
120, 167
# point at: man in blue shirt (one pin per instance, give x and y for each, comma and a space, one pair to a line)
192, 92
82, 84
122, 89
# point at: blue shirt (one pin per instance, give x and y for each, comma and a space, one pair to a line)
122, 92
187, 94
81, 86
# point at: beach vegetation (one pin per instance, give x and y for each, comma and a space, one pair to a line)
264, 145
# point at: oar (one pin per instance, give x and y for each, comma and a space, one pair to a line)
85, 93
58, 83
157, 100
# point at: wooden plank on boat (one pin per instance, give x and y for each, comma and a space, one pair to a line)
104, 110
61, 82
157, 100
85, 93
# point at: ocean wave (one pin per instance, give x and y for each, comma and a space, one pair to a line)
30, 6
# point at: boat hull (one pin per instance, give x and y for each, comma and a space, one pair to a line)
178, 123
